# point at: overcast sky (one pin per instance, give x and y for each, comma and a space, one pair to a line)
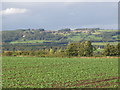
54, 16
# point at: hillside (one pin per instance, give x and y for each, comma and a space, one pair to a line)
43, 38
24, 36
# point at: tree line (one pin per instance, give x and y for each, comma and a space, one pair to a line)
77, 49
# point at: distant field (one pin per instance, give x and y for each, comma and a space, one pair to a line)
77, 37
36, 72
105, 43
31, 41
92, 37
107, 30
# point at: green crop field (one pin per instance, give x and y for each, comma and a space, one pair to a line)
38, 72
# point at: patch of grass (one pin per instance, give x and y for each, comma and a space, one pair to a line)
32, 41
77, 37
104, 43
96, 33
29, 41
100, 50
92, 37
107, 30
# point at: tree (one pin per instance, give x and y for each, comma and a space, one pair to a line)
88, 48
85, 49
80, 49
110, 50
51, 52
72, 49
118, 49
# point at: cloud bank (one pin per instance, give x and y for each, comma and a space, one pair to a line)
9, 11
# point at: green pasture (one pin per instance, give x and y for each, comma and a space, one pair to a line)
93, 37
31, 41
77, 37
105, 43
28, 41
107, 30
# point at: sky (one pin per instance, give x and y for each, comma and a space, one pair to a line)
59, 15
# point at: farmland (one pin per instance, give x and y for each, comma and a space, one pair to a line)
39, 72
34, 39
